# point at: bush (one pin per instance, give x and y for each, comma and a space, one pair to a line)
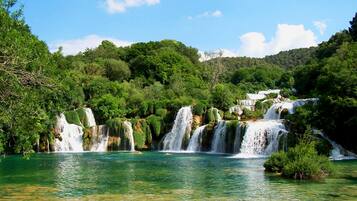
276, 162
116, 70
222, 97
300, 162
199, 109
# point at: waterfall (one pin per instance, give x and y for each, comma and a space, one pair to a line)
238, 138
71, 136
182, 125
219, 137
262, 137
337, 152
100, 142
128, 130
274, 112
196, 140
90, 117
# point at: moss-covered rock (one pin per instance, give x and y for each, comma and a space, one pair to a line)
142, 134
155, 123
230, 116
207, 137
230, 135
82, 117
161, 112
212, 115
87, 138
197, 121
73, 118
118, 133
284, 113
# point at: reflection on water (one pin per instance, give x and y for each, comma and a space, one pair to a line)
158, 176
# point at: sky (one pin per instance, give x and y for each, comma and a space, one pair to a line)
252, 28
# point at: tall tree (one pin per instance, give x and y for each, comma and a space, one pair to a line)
353, 28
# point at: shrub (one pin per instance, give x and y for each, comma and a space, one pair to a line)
199, 109
276, 162
300, 162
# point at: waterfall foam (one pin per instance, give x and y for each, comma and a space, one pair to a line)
71, 136
196, 140
261, 138
219, 137
182, 126
100, 137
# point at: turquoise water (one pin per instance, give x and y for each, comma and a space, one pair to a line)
160, 176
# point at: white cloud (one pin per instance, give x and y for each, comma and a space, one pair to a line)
72, 47
286, 37
216, 13
119, 6
254, 44
321, 26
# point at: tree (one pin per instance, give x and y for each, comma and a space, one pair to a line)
222, 97
353, 28
116, 70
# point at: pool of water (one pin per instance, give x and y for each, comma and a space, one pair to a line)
161, 176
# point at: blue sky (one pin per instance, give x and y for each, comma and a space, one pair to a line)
240, 27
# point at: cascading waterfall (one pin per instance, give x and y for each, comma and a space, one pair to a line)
128, 130
71, 136
182, 126
196, 140
337, 152
90, 117
240, 130
261, 138
218, 142
100, 138
274, 112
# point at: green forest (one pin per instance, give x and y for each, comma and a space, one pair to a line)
148, 82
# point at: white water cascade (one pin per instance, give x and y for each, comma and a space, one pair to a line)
90, 117
219, 136
274, 112
337, 152
182, 126
238, 138
71, 135
128, 130
100, 138
196, 140
261, 138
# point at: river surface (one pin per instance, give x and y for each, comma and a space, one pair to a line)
161, 176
